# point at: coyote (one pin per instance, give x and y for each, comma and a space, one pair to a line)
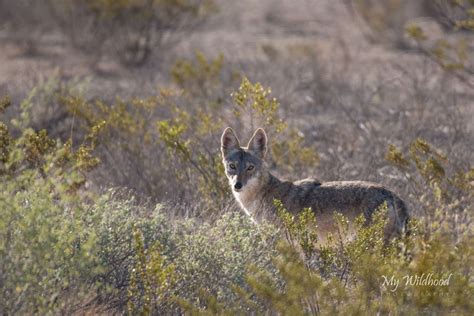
255, 189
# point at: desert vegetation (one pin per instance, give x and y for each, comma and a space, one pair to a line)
113, 198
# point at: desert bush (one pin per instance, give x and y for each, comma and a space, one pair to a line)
110, 251
251, 103
129, 30
151, 262
308, 293
444, 191
111, 239
65, 247
214, 258
351, 121
427, 165
47, 252
126, 232
150, 279
400, 22
452, 55
387, 20
156, 144
351, 272
299, 229
358, 273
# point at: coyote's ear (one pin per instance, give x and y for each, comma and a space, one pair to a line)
258, 143
229, 141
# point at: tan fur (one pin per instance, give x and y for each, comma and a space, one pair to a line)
260, 188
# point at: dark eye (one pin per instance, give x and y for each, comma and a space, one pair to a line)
250, 168
231, 166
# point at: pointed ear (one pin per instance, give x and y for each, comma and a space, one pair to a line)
258, 143
229, 141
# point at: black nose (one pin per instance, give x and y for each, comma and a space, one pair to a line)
238, 185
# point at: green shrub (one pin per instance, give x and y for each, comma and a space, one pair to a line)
215, 258
453, 56
152, 263
300, 229
444, 191
163, 141
150, 279
124, 229
64, 247
47, 252
198, 147
363, 275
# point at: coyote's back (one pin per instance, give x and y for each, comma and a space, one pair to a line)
255, 188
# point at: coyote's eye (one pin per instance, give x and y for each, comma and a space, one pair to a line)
231, 166
250, 168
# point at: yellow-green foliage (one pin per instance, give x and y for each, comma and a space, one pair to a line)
4, 142
300, 229
150, 278
213, 259
178, 131
287, 148
425, 166
357, 271
46, 249
251, 101
34, 156
185, 133
416, 32
451, 56
444, 194
390, 20
357, 274
64, 247
467, 7
255, 100
201, 78
4, 103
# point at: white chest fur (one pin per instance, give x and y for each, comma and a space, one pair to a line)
248, 197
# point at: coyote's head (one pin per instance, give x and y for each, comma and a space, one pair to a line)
243, 165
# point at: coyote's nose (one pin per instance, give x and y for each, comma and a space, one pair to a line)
238, 186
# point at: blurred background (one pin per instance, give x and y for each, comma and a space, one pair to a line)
113, 197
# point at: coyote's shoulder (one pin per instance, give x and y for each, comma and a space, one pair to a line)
255, 188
